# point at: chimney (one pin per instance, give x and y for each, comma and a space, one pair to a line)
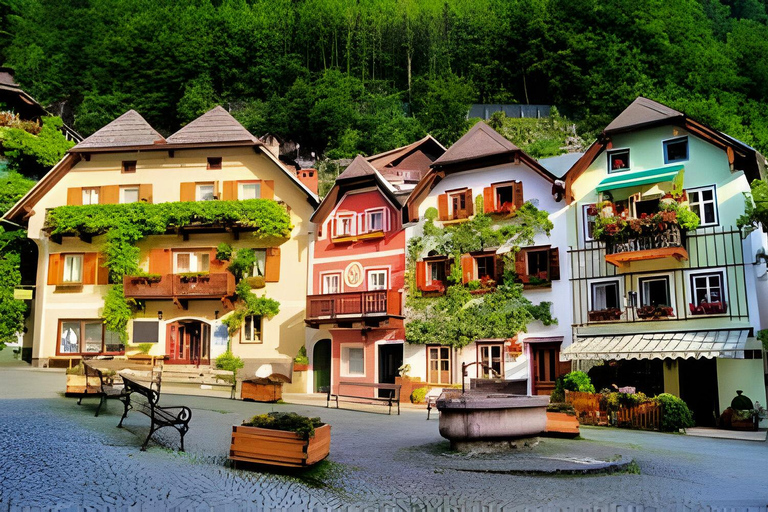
309, 178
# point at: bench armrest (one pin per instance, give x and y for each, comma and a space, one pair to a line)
184, 414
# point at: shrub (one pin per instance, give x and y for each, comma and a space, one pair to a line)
301, 357
675, 414
418, 395
289, 421
578, 381
229, 361
144, 348
558, 395
224, 252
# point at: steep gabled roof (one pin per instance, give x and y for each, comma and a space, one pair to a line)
130, 129
216, 125
642, 112
358, 168
480, 141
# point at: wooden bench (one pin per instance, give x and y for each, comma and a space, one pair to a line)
393, 397
105, 389
176, 417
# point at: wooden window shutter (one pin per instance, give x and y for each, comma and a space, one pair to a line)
442, 207
90, 261
421, 274
160, 261
518, 194
187, 192
55, 268
145, 193
272, 265
102, 273
488, 206
267, 189
229, 191
74, 196
217, 265
554, 264
110, 194
467, 268
520, 269
470, 202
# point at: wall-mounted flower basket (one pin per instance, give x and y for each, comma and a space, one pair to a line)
605, 315
654, 312
300, 367
279, 447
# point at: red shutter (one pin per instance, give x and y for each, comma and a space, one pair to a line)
442, 207
554, 264
421, 274
467, 268
518, 194
272, 265
488, 206
229, 191
145, 193
55, 269
470, 202
74, 196
267, 189
160, 262
187, 192
520, 269
102, 273
90, 262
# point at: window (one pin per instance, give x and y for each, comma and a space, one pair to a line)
504, 197
91, 195
458, 202
377, 280
605, 295
703, 202
214, 163
374, 220
707, 288
259, 263
439, 365
538, 263
129, 166
73, 268
588, 216
204, 192
186, 262
618, 160
129, 194
486, 267
331, 283
345, 225
251, 332
676, 150
491, 356
352, 360
437, 271
248, 191
87, 337
654, 291
146, 331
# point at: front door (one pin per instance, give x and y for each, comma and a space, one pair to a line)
189, 342
546, 367
321, 366
698, 389
390, 360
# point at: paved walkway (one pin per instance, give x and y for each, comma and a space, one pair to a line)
58, 456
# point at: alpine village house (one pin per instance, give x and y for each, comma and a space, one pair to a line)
184, 291
658, 303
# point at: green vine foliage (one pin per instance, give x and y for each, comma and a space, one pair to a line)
458, 318
755, 206
249, 304
32, 155
126, 224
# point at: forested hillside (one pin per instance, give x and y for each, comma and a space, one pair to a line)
342, 77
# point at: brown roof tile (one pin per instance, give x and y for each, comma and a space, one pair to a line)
480, 141
130, 129
216, 125
357, 169
642, 112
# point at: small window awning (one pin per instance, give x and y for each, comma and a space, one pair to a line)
632, 179
726, 343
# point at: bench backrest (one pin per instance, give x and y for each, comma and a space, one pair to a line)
375, 385
151, 395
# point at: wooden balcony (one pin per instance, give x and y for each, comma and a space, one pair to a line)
669, 243
353, 306
178, 286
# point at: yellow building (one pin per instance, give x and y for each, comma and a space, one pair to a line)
184, 292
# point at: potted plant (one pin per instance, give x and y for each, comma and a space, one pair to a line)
281, 439
301, 361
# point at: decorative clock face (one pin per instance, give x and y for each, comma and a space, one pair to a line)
353, 275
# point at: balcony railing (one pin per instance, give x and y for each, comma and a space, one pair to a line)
354, 305
648, 246
207, 286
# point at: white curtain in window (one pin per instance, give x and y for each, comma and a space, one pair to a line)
73, 267
599, 299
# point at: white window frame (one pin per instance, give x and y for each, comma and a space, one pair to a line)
344, 370
127, 188
610, 152
89, 192
378, 271
670, 279
199, 194
352, 224
325, 280
690, 275
585, 222
369, 214
701, 204
591, 303
72, 258
241, 188
194, 261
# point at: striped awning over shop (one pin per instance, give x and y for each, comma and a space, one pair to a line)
726, 343
633, 179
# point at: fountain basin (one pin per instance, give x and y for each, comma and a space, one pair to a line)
483, 417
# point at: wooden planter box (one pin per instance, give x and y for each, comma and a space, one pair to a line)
278, 447
300, 367
76, 385
261, 391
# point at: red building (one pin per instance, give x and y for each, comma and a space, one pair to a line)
357, 270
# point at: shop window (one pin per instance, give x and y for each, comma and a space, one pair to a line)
87, 337
91, 195
252, 328
73, 269
129, 166
129, 194
214, 163
248, 191
439, 365
352, 360
618, 160
491, 356
676, 150
186, 262
605, 295
205, 192
703, 202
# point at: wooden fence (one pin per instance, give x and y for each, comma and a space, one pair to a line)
589, 411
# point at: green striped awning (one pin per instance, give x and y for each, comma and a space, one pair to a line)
631, 179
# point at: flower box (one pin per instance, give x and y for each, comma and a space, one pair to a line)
279, 447
654, 312
300, 367
605, 315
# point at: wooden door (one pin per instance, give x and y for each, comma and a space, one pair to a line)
546, 367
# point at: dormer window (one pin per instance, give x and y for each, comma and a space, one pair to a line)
618, 160
374, 220
129, 166
214, 163
345, 225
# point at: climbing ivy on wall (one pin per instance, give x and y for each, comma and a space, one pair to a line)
125, 224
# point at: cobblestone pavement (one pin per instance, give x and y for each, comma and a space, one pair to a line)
58, 456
